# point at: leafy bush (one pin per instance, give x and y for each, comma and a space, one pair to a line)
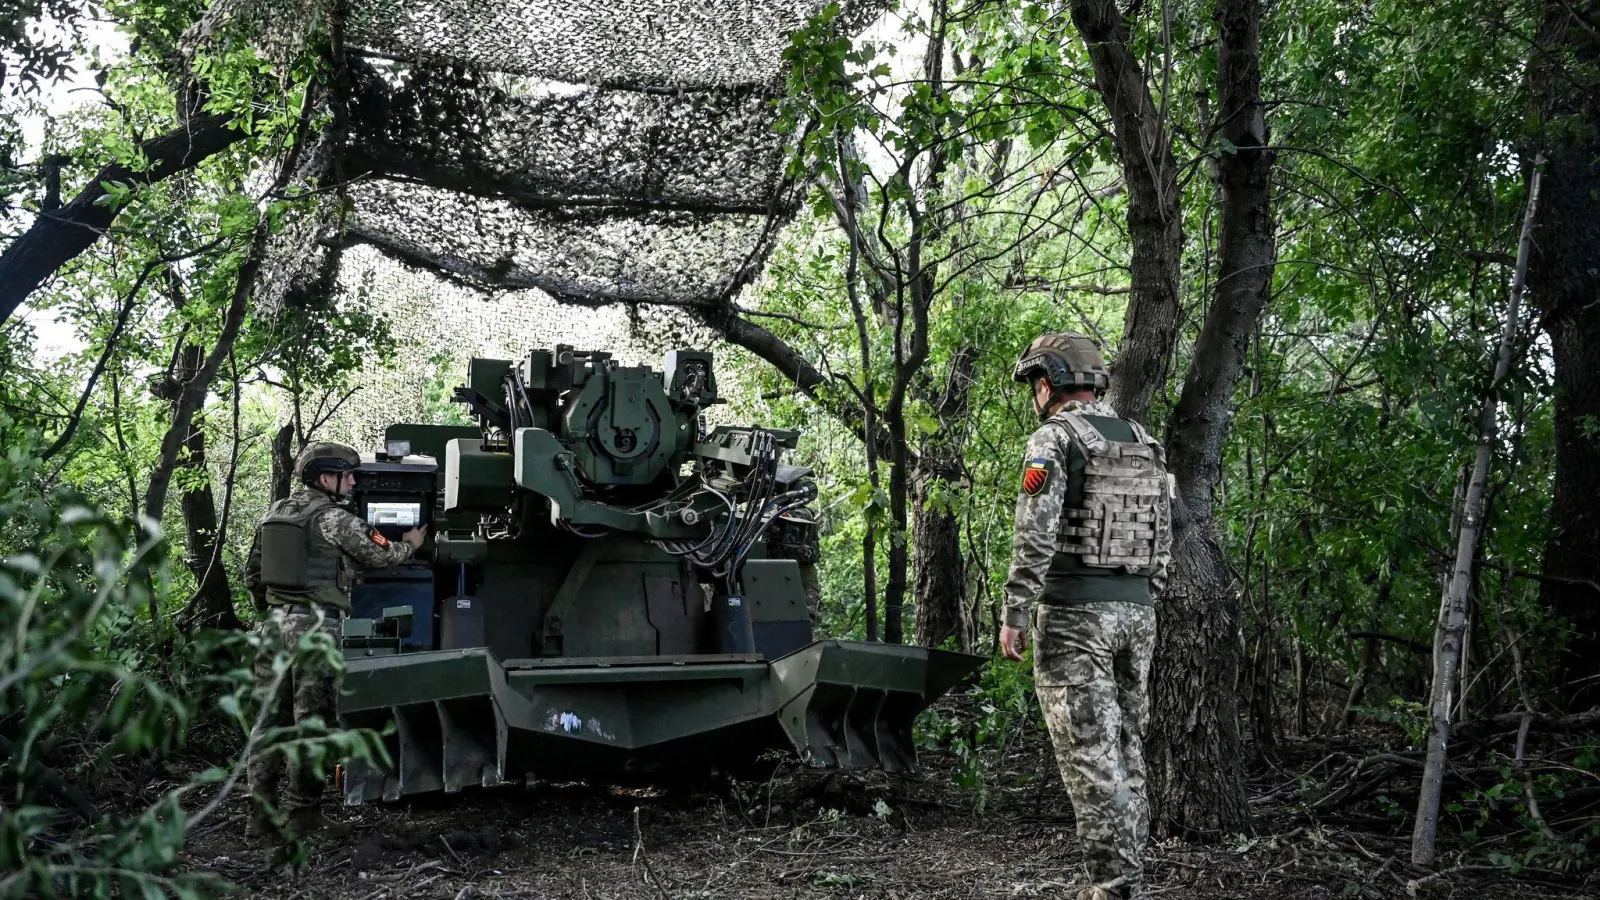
90, 684
1006, 706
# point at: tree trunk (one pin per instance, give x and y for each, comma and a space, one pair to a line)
941, 569
193, 390
212, 606
868, 393
1358, 687
1262, 679
1564, 286
926, 218
1451, 630
896, 586
1302, 688
1572, 557
1195, 702
1369, 655
1155, 223
1262, 671
1198, 786
283, 454
56, 237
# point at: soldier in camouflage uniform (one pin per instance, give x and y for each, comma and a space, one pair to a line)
302, 584
1091, 547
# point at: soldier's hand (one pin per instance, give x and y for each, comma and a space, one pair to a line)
416, 536
1012, 642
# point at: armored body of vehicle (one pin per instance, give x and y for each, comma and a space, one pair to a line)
608, 588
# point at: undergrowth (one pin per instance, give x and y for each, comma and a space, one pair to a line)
102, 700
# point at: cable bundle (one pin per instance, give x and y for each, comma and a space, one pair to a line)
725, 549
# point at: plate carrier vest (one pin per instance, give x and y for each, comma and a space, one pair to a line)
293, 562
1127, 499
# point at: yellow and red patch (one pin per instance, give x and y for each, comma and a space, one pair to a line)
379, 539
1035, 475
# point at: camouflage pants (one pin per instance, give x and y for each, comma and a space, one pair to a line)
309, 688
1092, 672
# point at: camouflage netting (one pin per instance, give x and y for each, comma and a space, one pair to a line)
525, 166
600, 153
545, 144
649, 44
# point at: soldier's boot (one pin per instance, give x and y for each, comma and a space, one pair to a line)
308, 821
263, 823
1096, 893
260, 825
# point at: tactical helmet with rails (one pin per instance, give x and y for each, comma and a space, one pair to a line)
324, 457
1066, 360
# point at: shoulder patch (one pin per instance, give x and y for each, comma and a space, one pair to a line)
1035, 475
379, 539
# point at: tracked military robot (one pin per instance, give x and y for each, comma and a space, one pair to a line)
609, 588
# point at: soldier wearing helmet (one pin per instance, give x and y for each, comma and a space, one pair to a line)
300, 570
1090, 550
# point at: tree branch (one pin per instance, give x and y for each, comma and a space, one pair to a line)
787, 360
57, 237
1414, 646
100, 366
194, 391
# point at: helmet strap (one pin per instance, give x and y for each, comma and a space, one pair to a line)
1051, 404
315, 483
1047, 409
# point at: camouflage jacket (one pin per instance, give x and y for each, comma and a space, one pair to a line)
1038, 516
358, 544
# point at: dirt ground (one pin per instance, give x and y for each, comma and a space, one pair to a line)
811, 836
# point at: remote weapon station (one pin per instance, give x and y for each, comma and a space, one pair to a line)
607, 588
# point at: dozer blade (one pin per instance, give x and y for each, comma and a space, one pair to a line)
850, 705
463, 717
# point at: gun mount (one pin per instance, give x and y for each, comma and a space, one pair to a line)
609, 587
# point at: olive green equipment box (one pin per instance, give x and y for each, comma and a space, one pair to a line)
608, 588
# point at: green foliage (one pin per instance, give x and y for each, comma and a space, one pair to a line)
79, 673
1538, 845
1398, 128
67, 602
1411, 717
942, 169
98, 678
439, 404
1006, 708
1398, 131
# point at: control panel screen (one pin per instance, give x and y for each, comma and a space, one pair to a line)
398, 515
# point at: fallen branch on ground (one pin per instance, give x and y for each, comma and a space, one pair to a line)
640, 855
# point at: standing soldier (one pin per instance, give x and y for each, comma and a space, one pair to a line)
300, 567
1092, 542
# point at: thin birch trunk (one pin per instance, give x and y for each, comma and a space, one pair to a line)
1450, 632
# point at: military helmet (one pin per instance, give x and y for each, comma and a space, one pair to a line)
324, 456
1068, 360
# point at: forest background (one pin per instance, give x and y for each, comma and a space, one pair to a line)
1293, 226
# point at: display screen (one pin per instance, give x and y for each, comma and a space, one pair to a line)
403, 515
